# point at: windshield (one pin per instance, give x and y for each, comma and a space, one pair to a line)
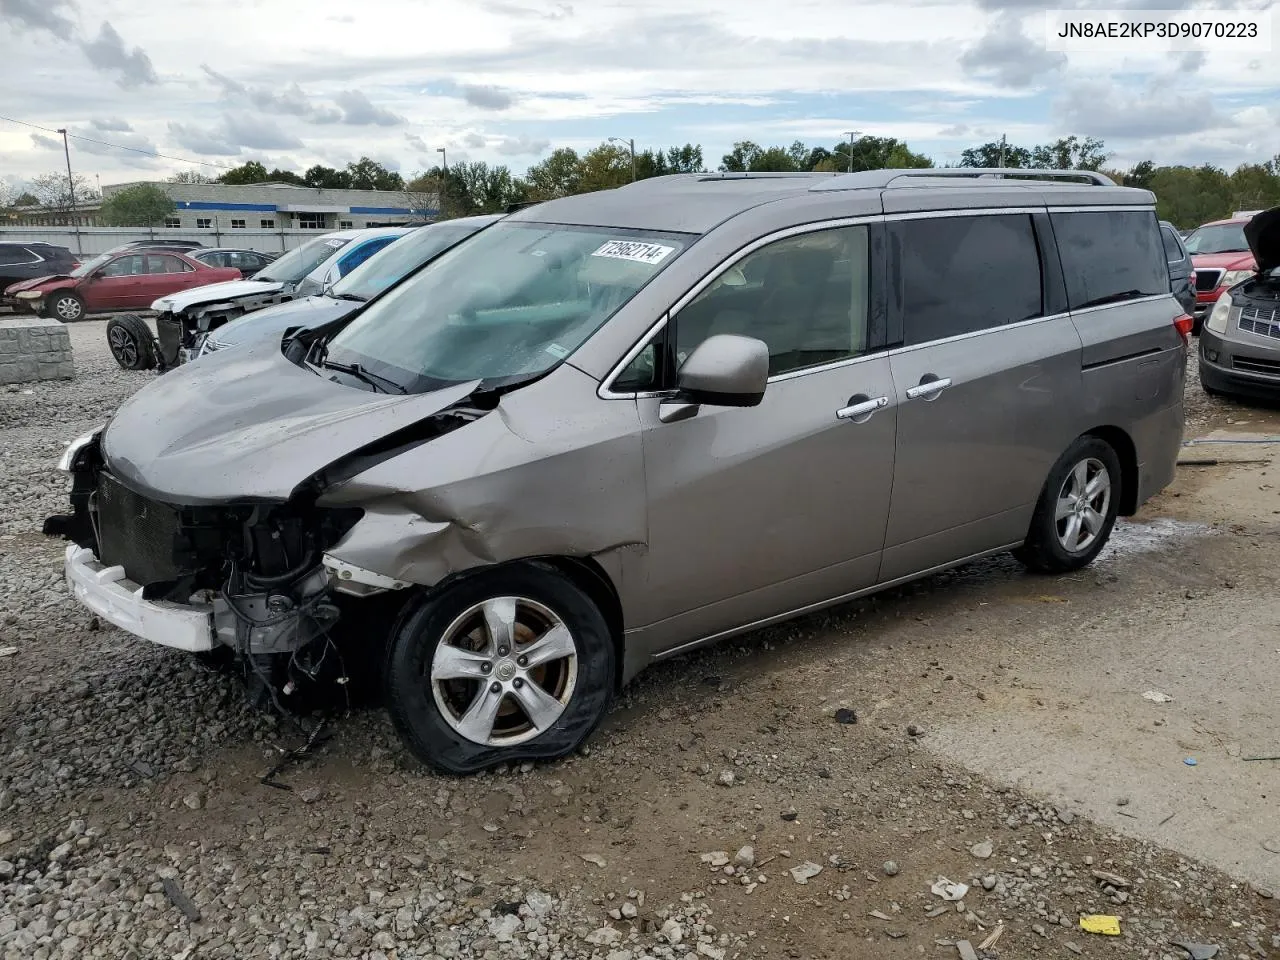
400, 258
89, 265
296, 264
1226, 238
506, 306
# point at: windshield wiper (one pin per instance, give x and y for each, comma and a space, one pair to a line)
1110, 298
347, 296
360, 373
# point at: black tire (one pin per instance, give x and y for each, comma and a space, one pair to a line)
131, 342
65, 306
1044, 550
412, 699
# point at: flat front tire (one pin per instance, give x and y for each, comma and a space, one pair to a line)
1076, 511
510, 664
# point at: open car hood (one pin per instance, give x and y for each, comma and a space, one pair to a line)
246, 425
215, 293
1263, 234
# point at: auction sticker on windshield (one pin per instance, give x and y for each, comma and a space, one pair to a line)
635, 250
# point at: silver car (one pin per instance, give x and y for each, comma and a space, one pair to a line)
617, 426
1240, 342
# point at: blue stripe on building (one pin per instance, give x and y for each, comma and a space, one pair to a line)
208, 205
386, 210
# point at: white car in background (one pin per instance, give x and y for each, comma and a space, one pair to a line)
184, 318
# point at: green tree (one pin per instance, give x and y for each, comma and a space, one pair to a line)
1190, 196
557, 176
1070, 153
191, 176
26, 199
990, 155
657, 163
872, 153
749, 157
605, 167
53, 193
286, 176
366, 174
1255, 186
250, 172
326, 178
142, 205
1141, 175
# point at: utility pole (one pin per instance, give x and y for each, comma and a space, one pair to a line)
1002, 144
631, 145
852, 134
444, 181
71, 188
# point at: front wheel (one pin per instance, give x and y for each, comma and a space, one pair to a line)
516, 663
65, 306
131, 342
1076, 511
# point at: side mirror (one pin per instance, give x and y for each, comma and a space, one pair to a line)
726, 370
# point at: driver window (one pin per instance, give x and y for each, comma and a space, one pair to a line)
130, 266
805, 296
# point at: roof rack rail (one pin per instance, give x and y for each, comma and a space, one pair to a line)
871, 179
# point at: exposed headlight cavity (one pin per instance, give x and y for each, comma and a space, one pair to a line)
67, 462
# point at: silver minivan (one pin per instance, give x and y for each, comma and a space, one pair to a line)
614, 427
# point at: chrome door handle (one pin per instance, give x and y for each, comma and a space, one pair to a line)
863, 409
930, 389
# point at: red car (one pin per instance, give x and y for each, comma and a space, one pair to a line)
1221, 258
116, 280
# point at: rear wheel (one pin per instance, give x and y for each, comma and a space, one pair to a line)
516, 663
65, 306
131, 342
1076, 511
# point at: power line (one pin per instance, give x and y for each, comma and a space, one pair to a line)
119, 146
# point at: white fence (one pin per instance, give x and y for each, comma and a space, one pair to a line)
95, 240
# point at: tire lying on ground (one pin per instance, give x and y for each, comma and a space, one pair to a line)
514, 663
131, 342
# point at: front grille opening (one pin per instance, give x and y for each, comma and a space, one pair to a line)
1260, 320
1257, 365
136, 533
1207, 280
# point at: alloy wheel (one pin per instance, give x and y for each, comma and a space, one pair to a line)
123, 347
504, 671
68, 308
1083, 503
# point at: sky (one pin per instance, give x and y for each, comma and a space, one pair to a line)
297, 82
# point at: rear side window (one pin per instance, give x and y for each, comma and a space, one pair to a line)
959, 275
11, 254
1172, 249
1110, 256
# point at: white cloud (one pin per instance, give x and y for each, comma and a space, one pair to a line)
508, 80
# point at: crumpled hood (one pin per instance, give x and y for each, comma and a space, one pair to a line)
57, 279
273, 321
1263, 234
247, 424
215, 293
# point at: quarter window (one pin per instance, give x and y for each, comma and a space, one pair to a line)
1110, 256
805, 296
959, 275
1172, 250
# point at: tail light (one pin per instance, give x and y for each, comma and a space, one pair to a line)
1184, 325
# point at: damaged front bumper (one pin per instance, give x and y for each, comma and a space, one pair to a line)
110, 594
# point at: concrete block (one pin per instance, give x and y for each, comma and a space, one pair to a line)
34, 348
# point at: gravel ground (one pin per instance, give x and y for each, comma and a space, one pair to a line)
134, 822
